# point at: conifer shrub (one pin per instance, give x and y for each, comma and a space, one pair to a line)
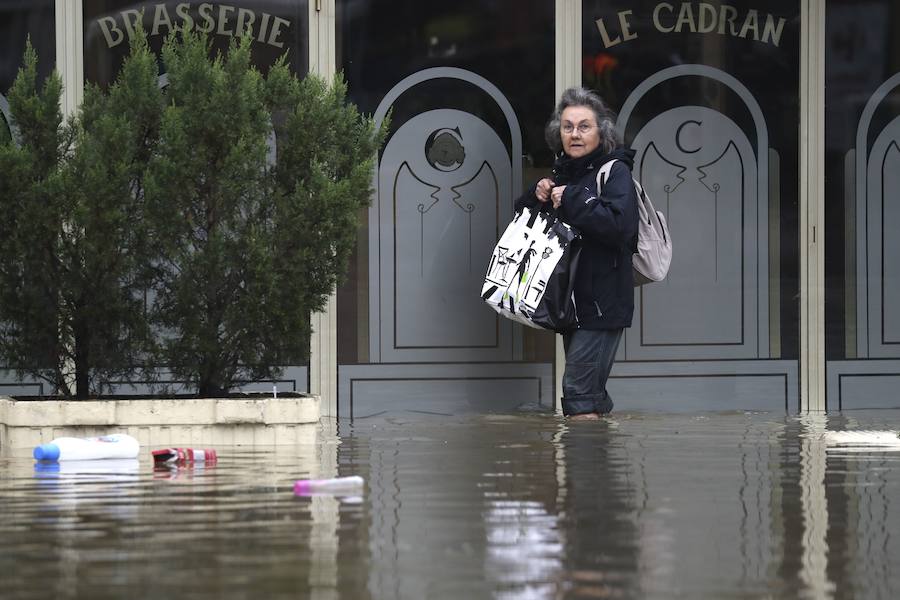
72, 261
194, 227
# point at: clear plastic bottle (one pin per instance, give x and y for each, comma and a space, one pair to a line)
117, 445
339, 485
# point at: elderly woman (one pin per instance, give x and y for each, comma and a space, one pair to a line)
583, 134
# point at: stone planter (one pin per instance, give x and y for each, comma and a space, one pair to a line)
162, 422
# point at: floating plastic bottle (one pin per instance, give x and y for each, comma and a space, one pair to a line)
339, 485
117, 445
182, 456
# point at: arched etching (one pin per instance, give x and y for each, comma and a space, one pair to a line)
444, 189
444, 225
701, 169
878, 250
888, 153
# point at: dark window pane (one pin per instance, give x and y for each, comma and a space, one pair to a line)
276, 27
18, 22
862, 162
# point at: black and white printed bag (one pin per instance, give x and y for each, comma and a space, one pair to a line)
654, 252
531, 275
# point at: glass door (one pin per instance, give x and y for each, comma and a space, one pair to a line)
862, 204
708, 96
468, 87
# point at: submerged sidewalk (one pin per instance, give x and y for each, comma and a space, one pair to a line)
713, 505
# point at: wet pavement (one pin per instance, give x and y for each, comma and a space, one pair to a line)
510, 506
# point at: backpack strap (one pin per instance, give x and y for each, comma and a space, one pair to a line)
602, 177
603, 174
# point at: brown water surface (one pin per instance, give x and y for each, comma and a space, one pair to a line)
479, 506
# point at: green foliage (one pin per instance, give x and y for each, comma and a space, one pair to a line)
29, 231
248, 248
323, 177
73, 266
5, 134
177, 197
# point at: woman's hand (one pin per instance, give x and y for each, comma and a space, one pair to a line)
542, 191
556, 195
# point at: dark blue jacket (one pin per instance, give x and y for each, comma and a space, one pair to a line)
604, 283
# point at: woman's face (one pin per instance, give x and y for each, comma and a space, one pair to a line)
578, 130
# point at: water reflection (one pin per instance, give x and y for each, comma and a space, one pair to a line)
815, 508
181, 473
861, 486
509, 506
118, 468
599, 509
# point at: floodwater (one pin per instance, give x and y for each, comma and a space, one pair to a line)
528, 506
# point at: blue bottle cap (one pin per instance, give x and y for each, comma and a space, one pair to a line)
46, 452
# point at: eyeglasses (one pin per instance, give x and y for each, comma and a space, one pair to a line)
583, 128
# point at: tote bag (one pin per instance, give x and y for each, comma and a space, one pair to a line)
531, 274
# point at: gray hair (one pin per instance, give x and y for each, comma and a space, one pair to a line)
606, 118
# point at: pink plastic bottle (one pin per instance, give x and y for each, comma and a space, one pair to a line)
182, 456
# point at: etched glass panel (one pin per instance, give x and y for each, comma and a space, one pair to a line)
862, 204
707, 95
468, 87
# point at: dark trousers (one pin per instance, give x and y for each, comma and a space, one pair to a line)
589, 358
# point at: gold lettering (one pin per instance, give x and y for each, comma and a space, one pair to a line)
161, 17
108, 27
706, 21
656, 22
751, 22
727, 14
607, 42
276, 30
626, 26
702, 17
131, 18
187, 22
685, 16
242, 28
771, 31
223, 19
205, 11
264, 24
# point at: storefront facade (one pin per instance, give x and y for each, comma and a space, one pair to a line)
766, 131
